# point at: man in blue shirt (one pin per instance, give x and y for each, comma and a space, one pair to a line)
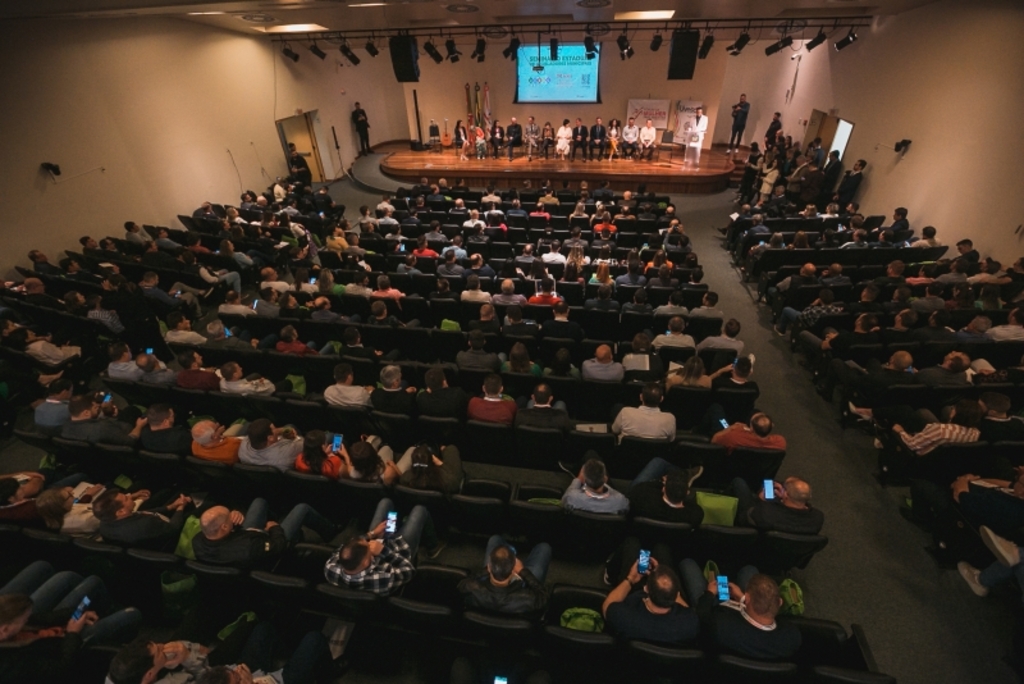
51, 415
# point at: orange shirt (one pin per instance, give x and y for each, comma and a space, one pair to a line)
739, 435
225, 452
331, 467
548, 299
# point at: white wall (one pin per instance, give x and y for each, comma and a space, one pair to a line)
158, 103
441, 89
947, 76
769, 85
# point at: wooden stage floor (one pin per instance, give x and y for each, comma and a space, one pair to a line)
661, 175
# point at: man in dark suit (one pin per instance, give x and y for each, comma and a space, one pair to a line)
497, 137
773, 131
438, 399
561, 326
598, 139
833, 169
579, 140
514, 134
391, 397
848, 186
121, 523
543, 413
812, 184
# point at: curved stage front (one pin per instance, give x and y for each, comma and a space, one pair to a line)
666, 175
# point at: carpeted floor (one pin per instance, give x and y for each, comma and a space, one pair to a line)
923, 623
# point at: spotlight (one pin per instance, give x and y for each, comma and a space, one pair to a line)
478, 51
429, 48
656, 42
317, 51
512, 51
588, 44
625, 49
349, 55
287, 52
54, 169
705, 47
372, 49
741, 42
847, 41
453, 52
784, 42
816, 40
554, 49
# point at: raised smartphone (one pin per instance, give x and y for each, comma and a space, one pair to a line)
723, 587
643, 563
392, 524
80, 610
769, 490
336, 445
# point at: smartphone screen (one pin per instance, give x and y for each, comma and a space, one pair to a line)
723, 587
149, 350
724, 422
643, 564
337, 442
312, 281
392, 524
106, 397
255, 302
80, 610
769, 490
501, 680
227, 332
401, 246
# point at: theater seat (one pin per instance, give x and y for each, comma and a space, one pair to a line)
562, 642
663, 660
482, 506
840, 675
432, 598
782, 552
736, 669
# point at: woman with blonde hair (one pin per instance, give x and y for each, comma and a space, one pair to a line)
692, 374
61, 512
579, 211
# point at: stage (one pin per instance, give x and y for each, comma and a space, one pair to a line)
666, 174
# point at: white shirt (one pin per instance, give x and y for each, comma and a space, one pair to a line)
476, 296
184, 337
278, 286
347, 395
235, 309
648, 134
553, 258
630, 134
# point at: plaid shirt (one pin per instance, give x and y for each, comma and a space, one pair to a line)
810, 315
387, 572
108, 318
937, 434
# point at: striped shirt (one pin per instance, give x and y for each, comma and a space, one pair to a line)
937, 434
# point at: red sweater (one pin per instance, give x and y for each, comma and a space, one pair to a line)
739, 435
295, 347
503, 411
198, 379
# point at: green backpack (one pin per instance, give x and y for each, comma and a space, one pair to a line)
792, 598
582, 620
718, 508
449, 324
189, 530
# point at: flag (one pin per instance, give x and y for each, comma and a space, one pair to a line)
478, 112
487, 106
469, 108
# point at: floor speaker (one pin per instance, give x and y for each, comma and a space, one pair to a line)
682, 58
405, 58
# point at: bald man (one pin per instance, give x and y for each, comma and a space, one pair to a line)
789, 510
229, 538
603, 366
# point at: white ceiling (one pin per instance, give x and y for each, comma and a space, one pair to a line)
337, 15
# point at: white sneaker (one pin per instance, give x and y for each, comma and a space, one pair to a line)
1005, 551
729, 151
970, 575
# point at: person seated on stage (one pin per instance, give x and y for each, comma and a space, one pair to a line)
514, 135
648, 141
630, 140
510, 585
243, 540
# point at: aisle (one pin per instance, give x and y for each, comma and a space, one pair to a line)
923, 623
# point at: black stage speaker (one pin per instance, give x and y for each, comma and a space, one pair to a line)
405, 58
682, 58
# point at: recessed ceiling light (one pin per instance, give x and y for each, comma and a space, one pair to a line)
645, 15
203, 14
462, 8
295, 28
367, 4
257, 18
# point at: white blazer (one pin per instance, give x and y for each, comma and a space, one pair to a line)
700, 128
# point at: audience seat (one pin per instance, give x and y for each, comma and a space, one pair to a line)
571, 644
432, 599
780, 552
484, 442
482, 506
666, 661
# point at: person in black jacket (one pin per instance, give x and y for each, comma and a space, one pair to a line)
121, 523
391, 397
508, 584
440, 400
543, 413
39, 636
161, 435
229, 538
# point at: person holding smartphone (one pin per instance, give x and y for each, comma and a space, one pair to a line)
509, 585
45, 619
381, 563
648, 605
744, 624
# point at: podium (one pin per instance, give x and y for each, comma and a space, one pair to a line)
693, 145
